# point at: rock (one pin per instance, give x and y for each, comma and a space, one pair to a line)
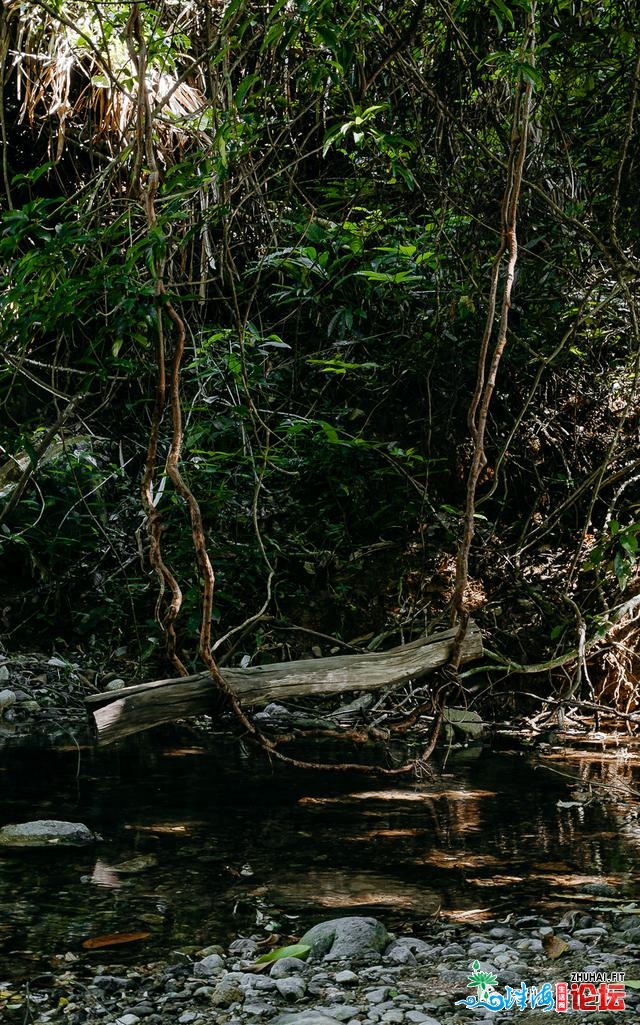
203, 992
286, 967
115, 685
227, 992
595, 932
347, 978
349, 993
112, 983
7, 699
273, 711
45, 833
244, 946
400, 953
463, 721
351, 937
415, 945
533, 944
377, 996
257, 1008
292, 989
4, 673
452, 949
213, 948
598, 889
210, 965
249, 981
29, 705
311, 1017
501, 932
344, 1012
135, 865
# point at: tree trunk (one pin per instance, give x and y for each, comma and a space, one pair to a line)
117, 715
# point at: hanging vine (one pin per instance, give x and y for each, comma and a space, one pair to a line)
502, 277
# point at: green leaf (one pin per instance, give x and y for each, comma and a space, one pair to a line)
335, 365
502, 14
244, 88
301, 950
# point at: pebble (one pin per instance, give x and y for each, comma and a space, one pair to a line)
287, 966
292, 988
343, 1012
213, 964
346, 978
394, 1015
376, 996
7, 699
214, 987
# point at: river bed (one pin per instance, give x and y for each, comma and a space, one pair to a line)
199, 845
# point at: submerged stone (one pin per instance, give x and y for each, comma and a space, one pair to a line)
46, 833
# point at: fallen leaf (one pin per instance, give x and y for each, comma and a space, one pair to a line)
300, 950
96, 942
553, 946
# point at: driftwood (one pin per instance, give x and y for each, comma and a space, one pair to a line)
133, 709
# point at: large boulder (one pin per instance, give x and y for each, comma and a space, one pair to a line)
353, 938
46, 833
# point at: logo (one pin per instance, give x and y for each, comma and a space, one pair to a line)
586, 991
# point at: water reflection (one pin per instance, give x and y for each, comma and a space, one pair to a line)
195, 850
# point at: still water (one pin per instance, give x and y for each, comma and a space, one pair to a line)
198, 845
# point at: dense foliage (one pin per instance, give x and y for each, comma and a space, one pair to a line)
312, 193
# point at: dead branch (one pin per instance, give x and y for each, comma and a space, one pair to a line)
120, 714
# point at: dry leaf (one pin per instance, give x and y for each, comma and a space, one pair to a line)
554, 946
97, 942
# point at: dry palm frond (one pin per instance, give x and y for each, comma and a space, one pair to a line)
65, 68
614, 664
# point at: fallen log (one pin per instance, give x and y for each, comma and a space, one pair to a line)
120, 713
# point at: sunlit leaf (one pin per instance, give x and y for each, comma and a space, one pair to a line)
114, 939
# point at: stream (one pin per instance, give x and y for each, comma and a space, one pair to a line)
198, 845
